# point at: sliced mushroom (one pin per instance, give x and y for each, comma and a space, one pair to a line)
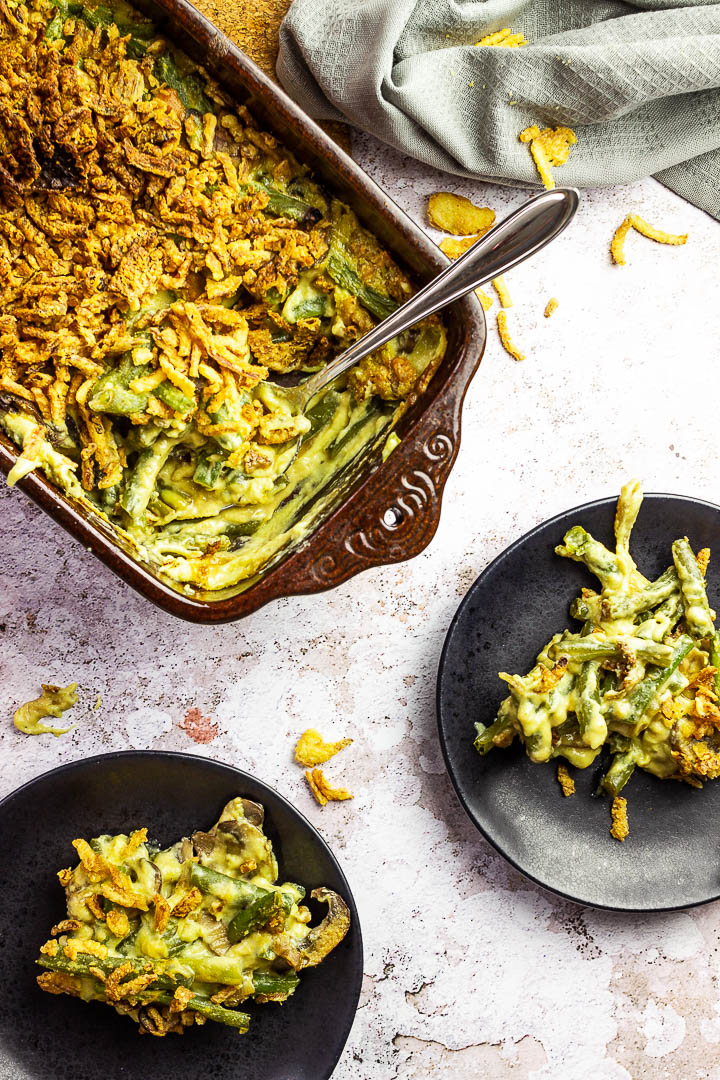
240, 831
12, 403
186, 849
254, 812
214, 934
149, 877
249, 844
321, 939
204, 843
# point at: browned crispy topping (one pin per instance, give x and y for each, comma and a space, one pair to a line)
187, 903
112, 192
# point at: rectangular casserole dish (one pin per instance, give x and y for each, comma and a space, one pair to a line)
379, 512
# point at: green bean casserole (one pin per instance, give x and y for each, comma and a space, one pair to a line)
162, 257
641, 676
177, 937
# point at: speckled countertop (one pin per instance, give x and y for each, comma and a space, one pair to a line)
470, 970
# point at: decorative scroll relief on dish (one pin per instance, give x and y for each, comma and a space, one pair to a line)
414, 509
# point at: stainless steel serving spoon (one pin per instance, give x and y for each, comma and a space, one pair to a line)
517, 237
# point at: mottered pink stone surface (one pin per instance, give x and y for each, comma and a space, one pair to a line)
471, 971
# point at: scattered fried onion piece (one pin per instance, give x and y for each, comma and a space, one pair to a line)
507, 342
551, 306
703, 559
505, 38
565, 780
633, 221
500, 287
619, 828
312, 749
54, 701
456, 214
322, 790
549, 147
454, 248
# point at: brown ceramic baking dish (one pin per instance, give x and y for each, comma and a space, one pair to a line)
381, 512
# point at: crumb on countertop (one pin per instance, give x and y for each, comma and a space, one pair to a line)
507, 342
634, 221
312, 749
322, 790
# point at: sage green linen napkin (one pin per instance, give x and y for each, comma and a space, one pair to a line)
639, 83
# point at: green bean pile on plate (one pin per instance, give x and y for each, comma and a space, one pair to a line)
640, 676
177, 937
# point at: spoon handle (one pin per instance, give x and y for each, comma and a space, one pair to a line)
517, 237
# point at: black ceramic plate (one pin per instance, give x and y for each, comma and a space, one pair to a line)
53, 1038
671, 858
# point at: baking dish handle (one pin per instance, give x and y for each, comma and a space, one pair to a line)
402, 516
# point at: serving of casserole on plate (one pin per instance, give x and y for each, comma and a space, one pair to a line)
165, 259
298, 1024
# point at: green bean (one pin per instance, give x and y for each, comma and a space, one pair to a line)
373, 410
109, 497
96, 16
321, 414
643, 694
663, 619
621, 769
140, 34
242, 528
581, 610
54, 29
621, 607
586, 648
692, 585
229, 440
339, 267
80, 967
163, 981
174, 398
259, 913
231, 890
111, 392
316, 307
159, 302
628, 508
219, 1013
715, 659
268, 982
282, 204
208, 469
486, 736
580, 546
591, 721
173, 497
189, 88
568, 734
534, 720
141, 484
